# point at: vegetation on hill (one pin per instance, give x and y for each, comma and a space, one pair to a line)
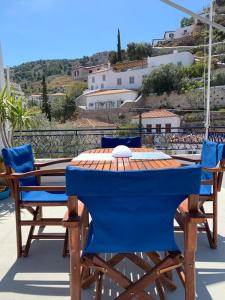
170, 78
186, 21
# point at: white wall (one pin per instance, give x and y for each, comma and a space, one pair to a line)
114, 98
169, 35
174, 121
157, 42
186, 58
180, 32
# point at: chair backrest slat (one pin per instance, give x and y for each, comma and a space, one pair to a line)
132, 210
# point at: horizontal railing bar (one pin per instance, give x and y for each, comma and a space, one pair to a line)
108, 129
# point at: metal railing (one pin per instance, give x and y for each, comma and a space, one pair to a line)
71, 142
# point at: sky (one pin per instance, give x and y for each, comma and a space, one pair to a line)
55, 29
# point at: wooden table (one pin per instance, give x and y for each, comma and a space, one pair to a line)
124, 164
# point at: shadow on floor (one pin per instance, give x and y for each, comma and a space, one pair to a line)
41, 273
45, 272
6, 208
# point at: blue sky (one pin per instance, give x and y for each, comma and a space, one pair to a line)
51, 29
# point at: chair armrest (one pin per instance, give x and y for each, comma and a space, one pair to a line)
188, 159
46, 188
3, 175
214, 170
38, 173
52, 162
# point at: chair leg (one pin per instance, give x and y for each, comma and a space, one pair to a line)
160, 289
75, 274
189, 259
85, 227
99, 287
40, 216
215, 223
18, 232
65, 245
210, 235
31, 232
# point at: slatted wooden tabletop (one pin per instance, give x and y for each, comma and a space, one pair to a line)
125, 164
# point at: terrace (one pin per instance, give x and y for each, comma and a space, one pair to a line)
44, 274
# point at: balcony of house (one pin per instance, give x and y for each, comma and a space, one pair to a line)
44, 274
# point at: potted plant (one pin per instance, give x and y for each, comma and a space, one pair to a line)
4, 189
14, 115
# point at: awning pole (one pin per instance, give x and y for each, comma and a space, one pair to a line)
207, 123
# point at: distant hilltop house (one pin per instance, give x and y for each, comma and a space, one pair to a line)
116, 85
157, 121
180, 32
37, 98
81, 72
90, 64
173, 35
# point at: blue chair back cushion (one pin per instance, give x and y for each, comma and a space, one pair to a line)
132, 211
112, 142
21, 160
212, 153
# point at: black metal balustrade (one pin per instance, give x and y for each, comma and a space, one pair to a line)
71, 142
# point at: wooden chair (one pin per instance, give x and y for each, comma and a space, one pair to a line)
23, 175
213, 166
112, 142
132, 211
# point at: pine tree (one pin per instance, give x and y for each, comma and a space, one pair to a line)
119, 54
46, 107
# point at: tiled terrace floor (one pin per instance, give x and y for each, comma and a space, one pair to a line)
44, 275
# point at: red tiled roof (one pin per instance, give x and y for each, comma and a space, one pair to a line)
156, 114
108, 92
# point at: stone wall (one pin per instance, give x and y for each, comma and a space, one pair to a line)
190, 100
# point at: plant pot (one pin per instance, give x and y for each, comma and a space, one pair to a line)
4, 192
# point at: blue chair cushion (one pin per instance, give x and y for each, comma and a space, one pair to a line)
205, 190
112, 142
21, 160
43, 196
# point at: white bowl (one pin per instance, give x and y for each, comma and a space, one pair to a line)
121, 151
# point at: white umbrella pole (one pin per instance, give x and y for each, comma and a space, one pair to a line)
207, 123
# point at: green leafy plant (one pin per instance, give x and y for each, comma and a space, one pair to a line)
14, 115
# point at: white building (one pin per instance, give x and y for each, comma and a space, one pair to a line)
183, 31
81, 73
109, 99
173, 35
37, 98
132, 78
157, 42
158, 121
